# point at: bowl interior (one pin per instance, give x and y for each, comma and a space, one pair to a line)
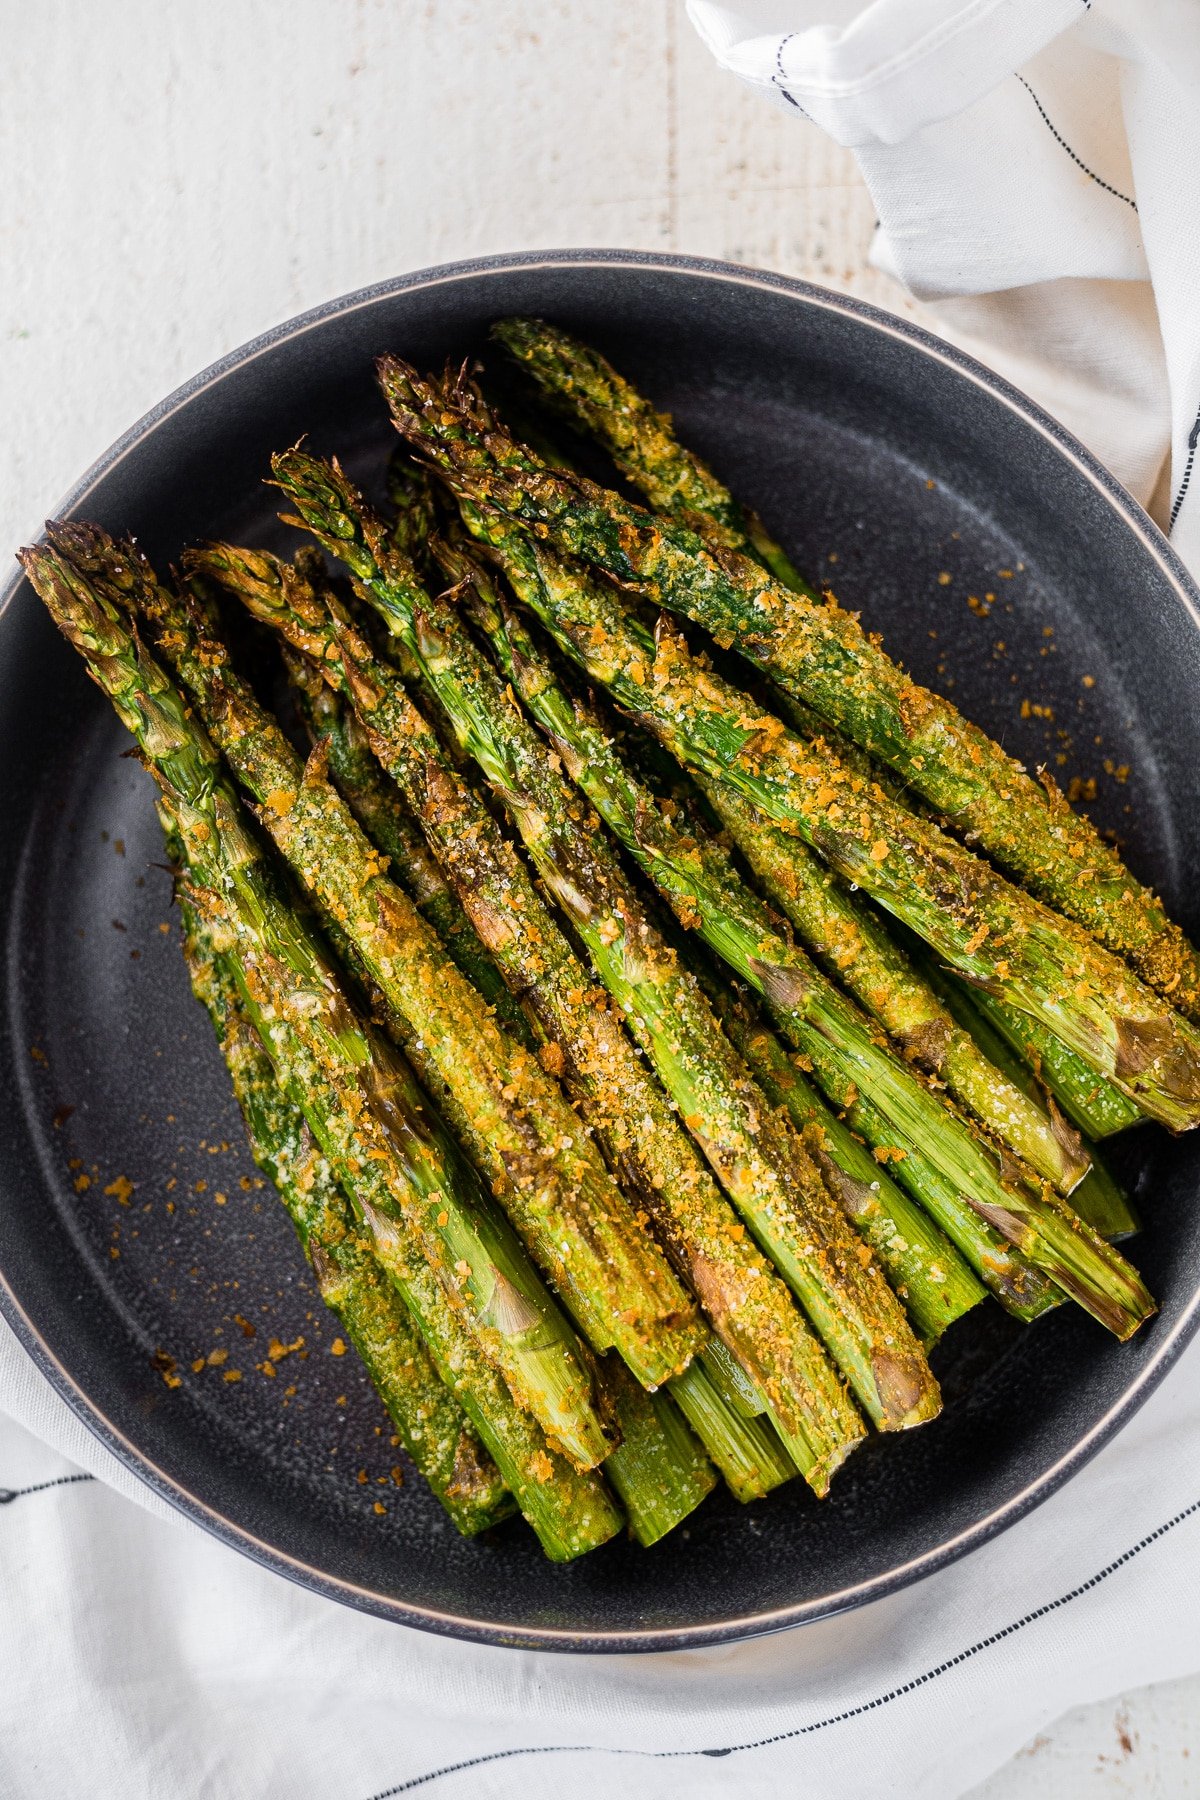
135, 1237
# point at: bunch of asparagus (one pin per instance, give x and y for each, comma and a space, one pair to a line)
633, 1145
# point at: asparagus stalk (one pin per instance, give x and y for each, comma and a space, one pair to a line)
750, 1457
550, 1177
570, 1510
765, 1170
872, 1091
1093, 1104
854, 946
706, 894
821, 654
599, 401
658, 1470
1098, 1199
376, 803
927, 1272
584, 387
992, 932
748, 1305
429, 1421
732, 1445
361, 1124
478, 1258
902, 1237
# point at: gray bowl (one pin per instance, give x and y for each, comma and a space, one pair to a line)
886, 463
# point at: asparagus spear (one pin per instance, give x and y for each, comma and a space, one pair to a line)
991, 931
765, 1170
821, 654
750, 1457
478, 1258
376, 803
584, 387
363, 1126
550, 1177
934, 1282
657, 1469
748, 1305
1093, 1104
903, 1238
237, 720
430, 1423
872, 1092
706, 894
1098, 1199
642, 442
853, 945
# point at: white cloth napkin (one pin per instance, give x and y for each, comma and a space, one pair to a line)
1035, 166
142, 1660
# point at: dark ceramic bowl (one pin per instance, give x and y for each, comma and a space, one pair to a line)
860, 439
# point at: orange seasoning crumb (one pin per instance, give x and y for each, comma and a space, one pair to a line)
338, 1347
976, 938
541, 1465
879, 850
379, 1507
82, 1182
232, 1375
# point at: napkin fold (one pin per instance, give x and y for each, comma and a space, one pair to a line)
1033, 164
142, 1660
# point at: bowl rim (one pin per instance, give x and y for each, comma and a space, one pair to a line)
734, 1629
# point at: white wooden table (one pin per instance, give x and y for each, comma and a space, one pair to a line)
179, 177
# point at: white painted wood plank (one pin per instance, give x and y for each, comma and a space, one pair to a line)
180, 177
1142, 1746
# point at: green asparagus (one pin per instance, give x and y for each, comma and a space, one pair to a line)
585, 388
550, 1178
992, 932
429, 1421
822, 654
853, 945
1098, 1199
1092, 1104
706, 894
376, 804
748, 1305
765, 1170
363, 1126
